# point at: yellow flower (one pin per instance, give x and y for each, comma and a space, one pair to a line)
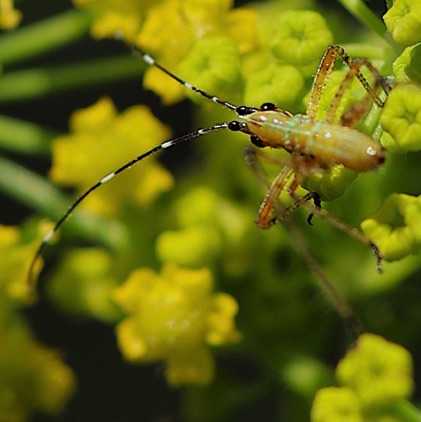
396, 226
16, 254
102, 140
172, 317
378, 371
189, 246
206, 224
116, 16
403, 21
9, 17
83, 284
141, 22
300, 39
32, 376
401, 118
376, 378
214, 65
280, 84
192, 21
334, 404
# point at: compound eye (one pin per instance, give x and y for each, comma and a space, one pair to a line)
256, 141
268, 107
245, 110
234, 126
242, 110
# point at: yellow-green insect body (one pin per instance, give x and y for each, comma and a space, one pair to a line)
324, 144
313, 144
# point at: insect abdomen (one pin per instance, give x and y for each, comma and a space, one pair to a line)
325, 143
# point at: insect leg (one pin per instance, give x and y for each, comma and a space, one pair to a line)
270, 213
318, 204
253, 159
265, 218
324, 71
351, 231
270, 206
328, 288
353, 115
332, 294
320, 80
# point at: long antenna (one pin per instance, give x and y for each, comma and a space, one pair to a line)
165, 145
151, 61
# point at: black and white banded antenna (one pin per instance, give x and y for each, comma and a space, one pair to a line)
151, 62
233, 126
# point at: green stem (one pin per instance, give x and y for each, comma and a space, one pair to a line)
33, 83
36, 192
24, 137
38, 38
369, 51
366, 16
406, 411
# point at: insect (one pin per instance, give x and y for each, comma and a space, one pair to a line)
313, 145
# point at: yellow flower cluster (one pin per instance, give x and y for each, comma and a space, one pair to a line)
396, 226
9, 16
173, 317
119, 138
32, 376
169, 30
376, 377
16, 253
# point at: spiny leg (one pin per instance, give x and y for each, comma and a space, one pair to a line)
349, 230
303, 169
324, 283
325, 69
280, 216
271, 213
270, 205
316, 209
350, 117
333, 296
265, 217
355, 113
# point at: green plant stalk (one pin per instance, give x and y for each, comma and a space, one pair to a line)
47, 35
34, 83
24, 137
406, 411
36, 192
361, 12
372, 52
